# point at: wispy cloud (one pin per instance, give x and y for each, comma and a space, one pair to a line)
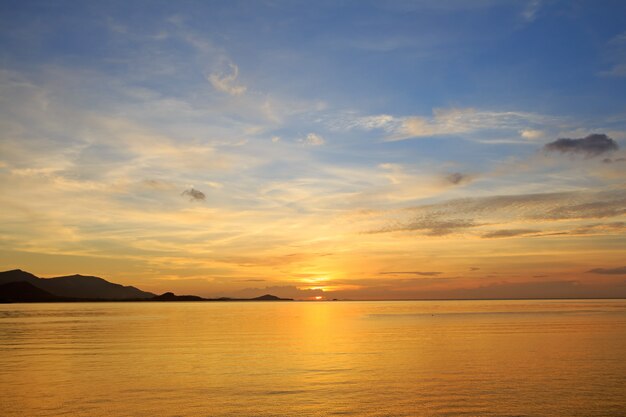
226, 80
605, 208
532, 134
616, 55
509, 233
481, 215
457, 121
313, 139
599, 228
530, 11
420, 273
432, 225
446, 121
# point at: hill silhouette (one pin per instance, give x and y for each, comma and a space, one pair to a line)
21, 286
22, 291
170, 296
269, 297
76, 286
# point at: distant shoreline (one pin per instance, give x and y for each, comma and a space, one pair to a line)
248, 300
18, 286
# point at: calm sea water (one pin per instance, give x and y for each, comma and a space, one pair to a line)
501, 358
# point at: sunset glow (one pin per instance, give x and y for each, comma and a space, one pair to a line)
359, 150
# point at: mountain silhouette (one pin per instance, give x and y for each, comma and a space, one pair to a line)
16, 275
76, 286
21, 286
22, 291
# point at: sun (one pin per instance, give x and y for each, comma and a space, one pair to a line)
319, 297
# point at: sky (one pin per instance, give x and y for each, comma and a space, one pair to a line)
335, 149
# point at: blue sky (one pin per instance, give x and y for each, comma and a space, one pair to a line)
307, 131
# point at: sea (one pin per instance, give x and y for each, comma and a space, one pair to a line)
342, 358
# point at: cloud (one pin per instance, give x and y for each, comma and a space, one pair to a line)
421, 273
194, 195
457, 121
313, 139
508, 233
445, 121
457, 178
609, 271
525, 210
613, 160
548, 206
531, 134
432, 224
618, 70
530, 11
590, 210
226, 81
381, 121
616, 55
599, 228
589, 146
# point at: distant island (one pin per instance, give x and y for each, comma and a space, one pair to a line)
17, 286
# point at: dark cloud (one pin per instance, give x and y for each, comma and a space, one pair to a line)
594, 210
544, 206
459, 215
614, 160
457, 178
438, 227
589, 146
474, 268
194, 195
509, 233
599, 228
422, 273
609, 271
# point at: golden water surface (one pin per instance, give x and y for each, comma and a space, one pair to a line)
501, 358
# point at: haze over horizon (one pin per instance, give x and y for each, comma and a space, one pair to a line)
363, 149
